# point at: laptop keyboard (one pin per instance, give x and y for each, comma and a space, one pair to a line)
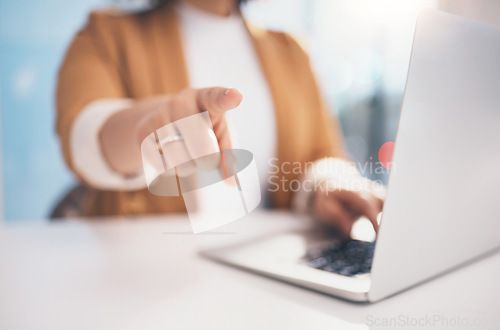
349, 258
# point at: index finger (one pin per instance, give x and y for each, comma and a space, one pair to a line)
218, 100
359, 204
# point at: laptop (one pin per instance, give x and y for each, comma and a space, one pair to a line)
443, 200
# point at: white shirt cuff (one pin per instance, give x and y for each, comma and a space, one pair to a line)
86, 152
331, 174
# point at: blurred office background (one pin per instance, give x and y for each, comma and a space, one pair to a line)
359, 48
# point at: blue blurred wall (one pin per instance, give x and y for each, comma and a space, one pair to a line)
33, 37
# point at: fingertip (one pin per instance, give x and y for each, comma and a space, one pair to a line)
373, 222
231, 98
346, 230
375, 225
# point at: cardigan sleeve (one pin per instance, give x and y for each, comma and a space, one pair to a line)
89, 72
327, 138
85, 148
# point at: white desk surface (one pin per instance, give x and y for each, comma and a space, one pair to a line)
146, 274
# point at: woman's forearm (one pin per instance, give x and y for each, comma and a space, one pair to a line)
122, 133
118, 143
118, 137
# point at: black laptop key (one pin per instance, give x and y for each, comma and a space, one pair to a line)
319, 262
349, 259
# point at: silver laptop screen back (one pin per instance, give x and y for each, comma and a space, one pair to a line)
443, 203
